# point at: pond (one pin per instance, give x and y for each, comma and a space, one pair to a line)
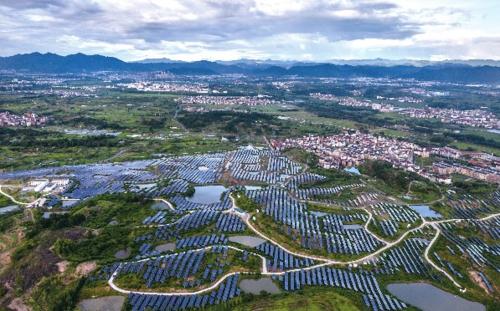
9, 209
256, 286
425, 211
353, 170
352, 227
247, 240
159, 205
318, 213
123, 254
165, 247
110, 303
253, 188
207, 194
430, 298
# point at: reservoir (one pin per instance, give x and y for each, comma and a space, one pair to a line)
207, 194
430, 298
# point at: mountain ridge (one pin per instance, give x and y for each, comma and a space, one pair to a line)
79, 63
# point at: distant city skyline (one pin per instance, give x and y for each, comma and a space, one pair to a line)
230, 30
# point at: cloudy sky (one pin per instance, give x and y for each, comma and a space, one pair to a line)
313, 30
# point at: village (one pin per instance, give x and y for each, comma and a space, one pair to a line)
28, 119
474, 118
354, 148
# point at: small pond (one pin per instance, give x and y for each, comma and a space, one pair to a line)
425, 211
352, 227
207, 194
253, 188
318, 213
9, 209
353, 170
247, 240
122, 254
109, 303
256, 286
159, 205
430, 298
165, 247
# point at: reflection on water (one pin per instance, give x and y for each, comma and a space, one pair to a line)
425, 211
430, 298
9, 209
207, 194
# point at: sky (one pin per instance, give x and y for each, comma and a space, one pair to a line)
304, 30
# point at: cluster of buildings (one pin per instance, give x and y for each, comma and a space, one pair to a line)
168, 87
486, 174
259, 100
28, 119
46, 185
474, 118
401, 99
482, 166
353, 148
353, 102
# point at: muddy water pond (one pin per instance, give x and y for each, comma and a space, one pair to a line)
110, 303
256, 286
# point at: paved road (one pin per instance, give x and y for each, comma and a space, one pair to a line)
323, 261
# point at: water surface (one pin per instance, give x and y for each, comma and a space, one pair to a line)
9, 209
256, 286
353, 170
207, 194
425, 211
247, 240
165, 247
430, 298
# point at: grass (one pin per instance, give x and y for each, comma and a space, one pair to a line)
4, 201
474, 147
464, 265
307, 299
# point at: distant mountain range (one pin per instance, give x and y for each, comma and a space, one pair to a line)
474, 71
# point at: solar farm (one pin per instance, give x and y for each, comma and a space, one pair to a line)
355, 246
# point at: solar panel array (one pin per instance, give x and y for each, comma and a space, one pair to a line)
313, 231
408, 257
317, 193
466, 206
182, 204
472, 247
249, 164
280, 260
230, 223
399, 213
362, 282
201, 241
226, 291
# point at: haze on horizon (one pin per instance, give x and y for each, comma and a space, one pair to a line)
306, 30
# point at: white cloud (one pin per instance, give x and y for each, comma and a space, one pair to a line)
231, 29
